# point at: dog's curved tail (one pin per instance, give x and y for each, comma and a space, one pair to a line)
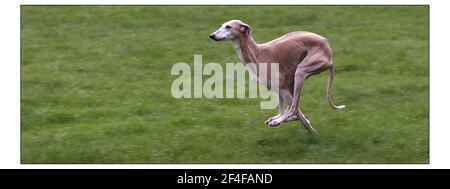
330, 89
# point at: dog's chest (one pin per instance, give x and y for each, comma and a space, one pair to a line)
253, 72
263, 76
252, 69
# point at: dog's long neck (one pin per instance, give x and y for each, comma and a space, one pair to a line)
247, 49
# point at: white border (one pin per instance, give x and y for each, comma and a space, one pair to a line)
9, 82
230, 2
10, 96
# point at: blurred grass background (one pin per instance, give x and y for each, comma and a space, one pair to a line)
95, 86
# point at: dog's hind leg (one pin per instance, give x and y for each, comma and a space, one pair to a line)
315, 62
293, 110
300, 116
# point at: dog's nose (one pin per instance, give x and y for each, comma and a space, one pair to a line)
212, 36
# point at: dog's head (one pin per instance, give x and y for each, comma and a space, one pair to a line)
231, 30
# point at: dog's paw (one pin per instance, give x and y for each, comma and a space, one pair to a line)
274, 122
270, 119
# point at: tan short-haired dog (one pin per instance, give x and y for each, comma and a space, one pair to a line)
299, 55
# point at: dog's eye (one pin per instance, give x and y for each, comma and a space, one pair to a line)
228, 27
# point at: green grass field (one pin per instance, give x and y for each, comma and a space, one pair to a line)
95, 86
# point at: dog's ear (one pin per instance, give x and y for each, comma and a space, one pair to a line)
245, 28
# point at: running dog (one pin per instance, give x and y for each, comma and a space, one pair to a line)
298, 54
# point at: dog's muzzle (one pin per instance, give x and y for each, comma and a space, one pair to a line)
213, 37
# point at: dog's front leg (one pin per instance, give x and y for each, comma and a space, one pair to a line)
282, 105
281, 109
